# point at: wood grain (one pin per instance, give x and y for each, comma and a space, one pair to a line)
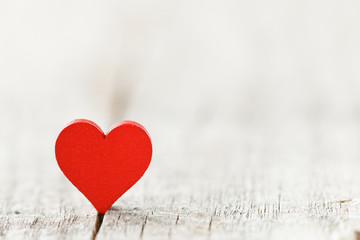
253, 108
38, 204
244, 170
240, 174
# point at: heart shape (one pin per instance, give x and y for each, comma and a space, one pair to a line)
103, 167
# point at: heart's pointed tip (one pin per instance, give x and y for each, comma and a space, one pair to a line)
101, 210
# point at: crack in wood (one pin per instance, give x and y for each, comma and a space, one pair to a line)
210, 223
177, 219
98, 223
279, 204
143, 226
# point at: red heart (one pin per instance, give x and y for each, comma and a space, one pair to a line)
103, 167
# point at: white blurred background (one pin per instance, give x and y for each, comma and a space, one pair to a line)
270, 64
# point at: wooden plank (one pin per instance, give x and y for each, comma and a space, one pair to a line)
241, 168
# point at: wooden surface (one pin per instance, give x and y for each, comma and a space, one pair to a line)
216, 173
253, 111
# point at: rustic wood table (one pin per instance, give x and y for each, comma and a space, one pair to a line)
253, 108
228, 163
